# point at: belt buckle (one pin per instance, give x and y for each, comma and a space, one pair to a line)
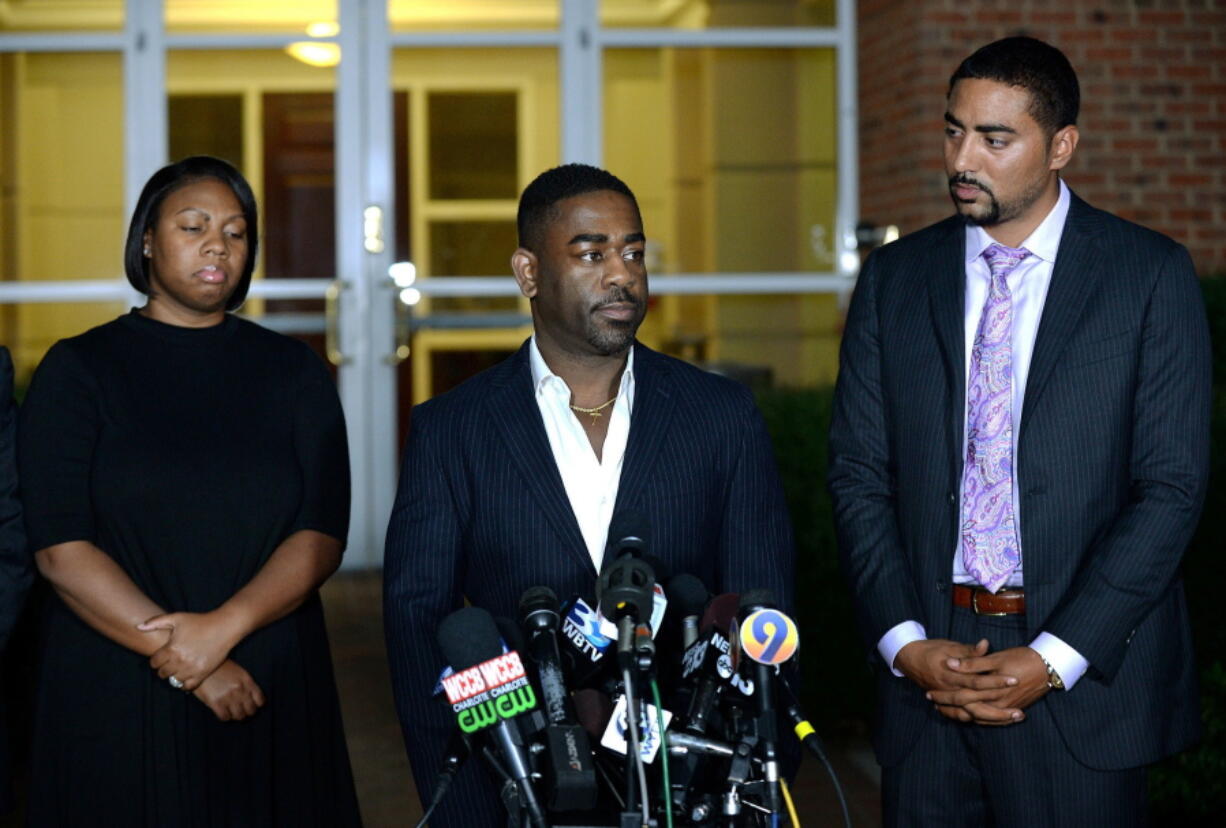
975, 591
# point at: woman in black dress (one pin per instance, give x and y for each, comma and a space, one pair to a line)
186, 484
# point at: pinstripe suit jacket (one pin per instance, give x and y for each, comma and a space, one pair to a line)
1112, 462
481, 513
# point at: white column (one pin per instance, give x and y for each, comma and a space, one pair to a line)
847, 261
380, 183
144, 96
580, 82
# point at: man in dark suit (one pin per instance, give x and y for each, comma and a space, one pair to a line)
16, 570
1019, 454
510, 480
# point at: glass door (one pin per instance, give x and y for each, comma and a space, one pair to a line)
388, 140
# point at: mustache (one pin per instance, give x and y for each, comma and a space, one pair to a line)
966, 181
621, 296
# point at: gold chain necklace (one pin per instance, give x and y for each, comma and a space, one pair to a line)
594, 413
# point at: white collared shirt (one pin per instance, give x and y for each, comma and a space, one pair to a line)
591, 483
1028, 284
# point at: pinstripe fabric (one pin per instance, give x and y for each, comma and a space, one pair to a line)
481, 513
1112, 461
992, 778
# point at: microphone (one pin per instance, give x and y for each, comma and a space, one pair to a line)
690, 596
625, 588
708, 662
570, 772
769, 638
488, 690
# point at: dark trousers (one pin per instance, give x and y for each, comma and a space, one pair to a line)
1018, 775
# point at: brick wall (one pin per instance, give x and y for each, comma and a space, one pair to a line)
1153, 109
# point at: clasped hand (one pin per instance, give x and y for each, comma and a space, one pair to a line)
196, 653
966, 683
198, 644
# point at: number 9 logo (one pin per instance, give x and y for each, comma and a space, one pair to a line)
769, 637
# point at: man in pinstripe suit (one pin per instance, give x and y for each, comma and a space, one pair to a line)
1019, 454
510, 480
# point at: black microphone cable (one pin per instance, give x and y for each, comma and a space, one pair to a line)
808, 737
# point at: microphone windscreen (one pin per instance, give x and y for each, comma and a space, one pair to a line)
721, 611
538, 598
757, 599
512, 634
593, 709
629, 529
468, 637
687, 594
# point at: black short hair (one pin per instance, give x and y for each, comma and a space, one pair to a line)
547, 189
1039, 68
164, 182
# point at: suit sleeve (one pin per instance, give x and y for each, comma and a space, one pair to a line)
756, 546
16, 571
422, 573
861, 478
1124, 574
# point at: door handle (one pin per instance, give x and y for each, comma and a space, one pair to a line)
332, 300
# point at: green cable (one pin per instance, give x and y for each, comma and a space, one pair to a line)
668, 788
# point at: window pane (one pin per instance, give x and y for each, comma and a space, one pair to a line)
206, 125
732, 155
469, 15
472, 248
247, 16
712, 14
60, 15
474, 145
61, 189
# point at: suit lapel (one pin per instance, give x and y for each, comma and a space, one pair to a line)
649, 424
512, 406
947, 300
1074, 279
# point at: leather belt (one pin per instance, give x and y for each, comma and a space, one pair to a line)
982, 602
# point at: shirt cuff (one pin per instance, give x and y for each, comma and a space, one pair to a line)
1067, 662
897, 637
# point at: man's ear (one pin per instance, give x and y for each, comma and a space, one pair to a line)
1063, 142
525, 267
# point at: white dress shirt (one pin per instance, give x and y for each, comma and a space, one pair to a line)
591, 483
1028, 285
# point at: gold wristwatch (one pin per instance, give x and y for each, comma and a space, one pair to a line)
1054, 682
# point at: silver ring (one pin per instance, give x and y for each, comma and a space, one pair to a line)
175, 682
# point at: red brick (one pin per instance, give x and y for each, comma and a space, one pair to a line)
1134, 72
1052, 18
1191, 215
945, 17
1128, 35
1161, 18
1134, 144
1197, 107
1165, 53
1187, 35
1192, 72
1080, 36
1109, 53
1189, 180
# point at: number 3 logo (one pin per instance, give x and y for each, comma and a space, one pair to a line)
769, 637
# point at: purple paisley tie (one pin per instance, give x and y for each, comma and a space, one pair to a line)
989, 539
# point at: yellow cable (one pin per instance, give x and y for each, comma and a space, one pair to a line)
787, 798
